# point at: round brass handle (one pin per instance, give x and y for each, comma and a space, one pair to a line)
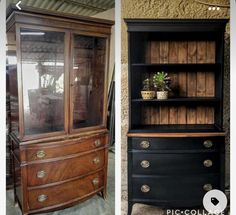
207, 163
41, 174
97, 142
145, 164
96, 160
145, 144
145, 188
207, 187
95, 182
40, 154
42, 198
208, 143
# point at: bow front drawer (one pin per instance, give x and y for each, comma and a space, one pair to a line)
49, 172
176, 143
59, 149
170, 164
174, 190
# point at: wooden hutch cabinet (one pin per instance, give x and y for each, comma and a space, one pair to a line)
176, 145
57, 67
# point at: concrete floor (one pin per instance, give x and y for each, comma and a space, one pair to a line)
94, 206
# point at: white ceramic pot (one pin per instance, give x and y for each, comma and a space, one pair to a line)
162, 94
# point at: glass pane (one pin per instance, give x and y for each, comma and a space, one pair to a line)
42, 59
88, 80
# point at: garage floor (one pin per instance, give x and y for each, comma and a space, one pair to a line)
94, 206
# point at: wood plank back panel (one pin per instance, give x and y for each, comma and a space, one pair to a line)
184, 83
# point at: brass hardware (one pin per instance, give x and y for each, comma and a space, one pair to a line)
42, 198
145, 188
40, 154
97, 142
96, 160
208, 163
145, 164
41, 174
96, 182
207, 187
208, 143
144, 144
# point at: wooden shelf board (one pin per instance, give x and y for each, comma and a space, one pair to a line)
179, 100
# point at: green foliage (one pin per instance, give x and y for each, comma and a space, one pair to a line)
147, 86
161, 81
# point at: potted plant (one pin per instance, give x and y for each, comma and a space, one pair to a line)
147, 92
161, 82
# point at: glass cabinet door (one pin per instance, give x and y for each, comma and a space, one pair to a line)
87, 81
42, 65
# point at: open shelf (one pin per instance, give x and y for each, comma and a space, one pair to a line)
180, 100
174, 128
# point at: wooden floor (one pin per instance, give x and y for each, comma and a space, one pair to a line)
93, 206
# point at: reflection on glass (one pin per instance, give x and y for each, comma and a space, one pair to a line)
42, 60
89, 56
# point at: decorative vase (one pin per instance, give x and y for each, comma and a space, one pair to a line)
162, 94
148, 94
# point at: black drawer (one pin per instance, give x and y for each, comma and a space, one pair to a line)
150, 163
175, 143
179, 188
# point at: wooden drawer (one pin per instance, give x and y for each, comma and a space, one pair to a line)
178, 188
63, 193
49, 172
186, 143
170, 164
49, 150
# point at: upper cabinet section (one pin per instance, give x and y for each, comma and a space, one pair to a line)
58, 81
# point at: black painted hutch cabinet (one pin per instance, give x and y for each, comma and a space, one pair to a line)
176, 145
57, 68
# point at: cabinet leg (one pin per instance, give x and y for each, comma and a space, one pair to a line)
130, 206
104, 193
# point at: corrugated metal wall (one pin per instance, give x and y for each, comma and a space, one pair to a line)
78, 7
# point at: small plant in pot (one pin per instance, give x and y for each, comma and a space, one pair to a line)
147, 91
161, 82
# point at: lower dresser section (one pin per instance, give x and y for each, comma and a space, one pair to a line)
174, 172
66, 192
47, 178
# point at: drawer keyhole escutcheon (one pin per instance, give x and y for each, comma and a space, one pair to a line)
208, 163
97, 143
145, 164
42, 198
41, 174
208, 143
96, 182
96, 160
145, 188
207, 187
145, 144
40, 154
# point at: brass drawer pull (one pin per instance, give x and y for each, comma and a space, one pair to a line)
41, 174
208, 163
42, 198
96, 160
40, 154
97, 143
145, 188
207, 187
145, 164
208, 143
145, 144
95, 182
